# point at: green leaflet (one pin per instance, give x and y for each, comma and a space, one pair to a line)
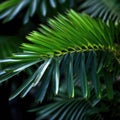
109, 85
44, 85
14, 69
4, 76
53, 3
69, 76
33, 7
32, 81
63, 116
80, 114
83, 77
56, 76
50, 109
95, 78
100, 65
74, 109
62, 108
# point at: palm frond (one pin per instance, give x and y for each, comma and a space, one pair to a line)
57, 109
70, 109
80, 31
105, 9
73, 46
10, 9
62, 107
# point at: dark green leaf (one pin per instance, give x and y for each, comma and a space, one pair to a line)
56, 76
44, 85
83, 77
109, 85
69, 77
94, 76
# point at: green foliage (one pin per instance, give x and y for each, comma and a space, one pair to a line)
11, 9
105, 9
74, 60
62, 107
80, 35
7, 49
74, 46
9, 45
74, 108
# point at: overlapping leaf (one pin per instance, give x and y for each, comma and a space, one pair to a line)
73, 46
78, 108
10, 9
105, 9
74, 109
73, 33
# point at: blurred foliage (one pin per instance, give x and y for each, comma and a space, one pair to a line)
28, 8
105, 9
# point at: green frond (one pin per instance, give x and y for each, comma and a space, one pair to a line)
10, 9
73, 33
105, 9
113, 5
74, 109
55, 111
61, 107
77, 47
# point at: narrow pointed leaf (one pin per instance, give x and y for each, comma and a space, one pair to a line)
7, 75
29, 83
33, 7
69, 77
101, 63
95, 79
24, 85
84, 105
43, 8
61, 109
72, 111
53, 3
42, 70
83, 77
24, 66
26, 90
15, 11
44, 85
56, 76
109, 86
51, 109
67, 111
